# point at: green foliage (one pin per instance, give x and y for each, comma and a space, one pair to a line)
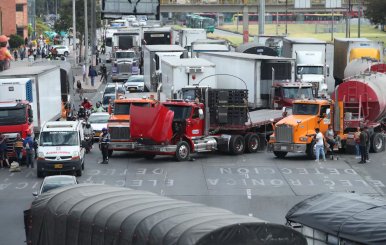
41, 27
15, 41
30, 30
376, 11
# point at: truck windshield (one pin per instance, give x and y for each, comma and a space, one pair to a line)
314, 70
207, 22
58, 138
180, 112
124, 108
12, 116
296, 93
305, 109
124, 55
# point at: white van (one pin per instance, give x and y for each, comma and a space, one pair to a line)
61, 148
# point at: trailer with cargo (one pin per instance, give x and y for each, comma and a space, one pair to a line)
208, 45
217, 120
128, 38
101, 214
188, 35
108, 42
178, 73
363, 65
156, 35
24, 96
360, 101
310, 57
270, 80
152, 55
349, 49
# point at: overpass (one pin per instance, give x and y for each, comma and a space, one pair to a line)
224, 6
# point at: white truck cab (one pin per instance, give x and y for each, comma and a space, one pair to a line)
60, 148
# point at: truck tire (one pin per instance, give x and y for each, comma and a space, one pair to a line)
236, 145
378, 143
182, 151
311, 150
280, 154
110, 153
40, 174
65, 54
252, 143
78, 172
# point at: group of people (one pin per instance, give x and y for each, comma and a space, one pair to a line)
362, 143
27, 145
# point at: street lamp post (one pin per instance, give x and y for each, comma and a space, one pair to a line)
85, 35
74, 31
286, 16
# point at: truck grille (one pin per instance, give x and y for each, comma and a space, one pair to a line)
124, 67
11, 139
119, 133
284, 133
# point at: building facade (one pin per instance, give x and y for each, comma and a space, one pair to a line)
14, 17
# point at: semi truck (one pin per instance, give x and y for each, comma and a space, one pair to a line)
125, 39
123, 62
310, 57
270, 80
119, 122
359, 101
217, 120
349, 49
117, 215
24, 96
188, 35
178, 73
108, 42
152, 55
156, 35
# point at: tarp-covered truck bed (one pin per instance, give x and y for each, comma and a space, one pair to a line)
96, 214
347, 217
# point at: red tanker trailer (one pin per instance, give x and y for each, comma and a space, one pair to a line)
363, 103
363, 65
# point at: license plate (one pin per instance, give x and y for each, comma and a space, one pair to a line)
283, 148
132, 89
58, 165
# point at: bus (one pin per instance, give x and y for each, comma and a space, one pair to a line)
291, 17
196, 21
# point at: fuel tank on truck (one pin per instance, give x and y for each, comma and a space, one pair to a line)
363, 65
370, 89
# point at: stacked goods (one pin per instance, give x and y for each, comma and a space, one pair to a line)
226, 106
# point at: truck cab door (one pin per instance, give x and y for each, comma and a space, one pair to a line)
324, 118
194, 124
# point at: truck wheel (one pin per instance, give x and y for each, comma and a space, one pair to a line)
110, 153
236, 145
40, 174
182, 151
66, 54
377, 143
280, 154
149, 156
251, 143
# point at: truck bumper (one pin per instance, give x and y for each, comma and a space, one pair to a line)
288, 147
120, 77
157, 149
56, 166
122, 146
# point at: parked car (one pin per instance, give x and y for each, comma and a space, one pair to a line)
98, 120
135, 83
53, 182
112, 88
62, 50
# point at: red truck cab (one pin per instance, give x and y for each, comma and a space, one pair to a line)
15, 118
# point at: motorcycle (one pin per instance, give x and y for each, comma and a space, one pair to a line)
89, 142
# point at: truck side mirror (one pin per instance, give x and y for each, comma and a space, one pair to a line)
200, 114
35, 193
30, 113
30, 120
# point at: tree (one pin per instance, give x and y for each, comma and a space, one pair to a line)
15, 41
376, 11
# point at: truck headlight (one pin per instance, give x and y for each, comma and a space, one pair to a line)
272, 137
304, 139
75, 154
41, 154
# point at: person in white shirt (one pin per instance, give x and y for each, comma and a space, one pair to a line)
319, 145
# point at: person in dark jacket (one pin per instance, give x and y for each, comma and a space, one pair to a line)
369, 135
363, 138
92, 73
29, 145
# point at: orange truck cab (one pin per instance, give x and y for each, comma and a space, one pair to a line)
119, 122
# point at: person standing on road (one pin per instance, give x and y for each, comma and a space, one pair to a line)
5, 55
28, 145
84, 72
3, 151
18, 148
369, 135
92, 73
357, 140
103, 70
362, 144
104, 140
319, 145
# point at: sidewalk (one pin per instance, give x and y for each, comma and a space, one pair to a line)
87, 88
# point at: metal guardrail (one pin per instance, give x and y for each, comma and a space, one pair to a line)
251, 2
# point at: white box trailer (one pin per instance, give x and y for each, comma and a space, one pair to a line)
188, 35
257, 73
40, 85
152, 55
178, 73
349, 49
310, 55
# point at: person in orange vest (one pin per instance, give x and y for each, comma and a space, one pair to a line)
5, 55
